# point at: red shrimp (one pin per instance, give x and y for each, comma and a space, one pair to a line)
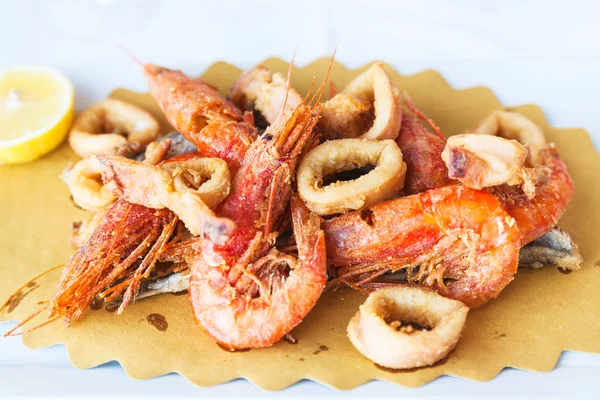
127, 234
247, 293
465, 245
421, 151
539, 215
201, 114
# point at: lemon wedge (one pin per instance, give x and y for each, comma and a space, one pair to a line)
36, 110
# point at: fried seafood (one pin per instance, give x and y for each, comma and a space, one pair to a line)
81, 231
480, 161
179, 145
422, 152
247, 293
123, 248
259, 89
84, 181
370, 107
112, 126
553, 248
465, 245
206, 118
335, 156
511, 125
258, 299
175, 279
208, 176
178, 186
407, 327
538, 215
212, 209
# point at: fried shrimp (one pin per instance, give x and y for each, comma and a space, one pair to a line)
370, 107
407, 327
201, 114
383, 182
175, 189
84, 181
421, 151
480, 161
464, 243
511, 125
110, 126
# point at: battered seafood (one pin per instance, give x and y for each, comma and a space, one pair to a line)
197, 111
463, 241
335, 156
480, 161
247, 293
407, 327
422, 153
210, 209
84, 181
177, 186
111, 126
538, 215
270, 94
553, 248
511, 125
370, 107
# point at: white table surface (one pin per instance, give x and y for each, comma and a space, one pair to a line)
542, 52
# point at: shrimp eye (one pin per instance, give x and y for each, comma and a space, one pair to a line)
367, 216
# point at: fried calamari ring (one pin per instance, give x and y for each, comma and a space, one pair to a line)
511, 125
112, 125
480, 161
407, 327
265, 91
84, 181
383, 182
370, 107
208, 177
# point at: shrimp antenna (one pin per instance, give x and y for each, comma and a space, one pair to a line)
310, 88
29, 318
421, 115
321, 88
288, 84
16, 293
130, 54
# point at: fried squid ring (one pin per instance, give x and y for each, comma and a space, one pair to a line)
110, 126
155, 187
407, 327
383, 182
84, 181
511, 125
480, 161
265, 91
208, 177
370, 107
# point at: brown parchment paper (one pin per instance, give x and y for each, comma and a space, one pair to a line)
540, 314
